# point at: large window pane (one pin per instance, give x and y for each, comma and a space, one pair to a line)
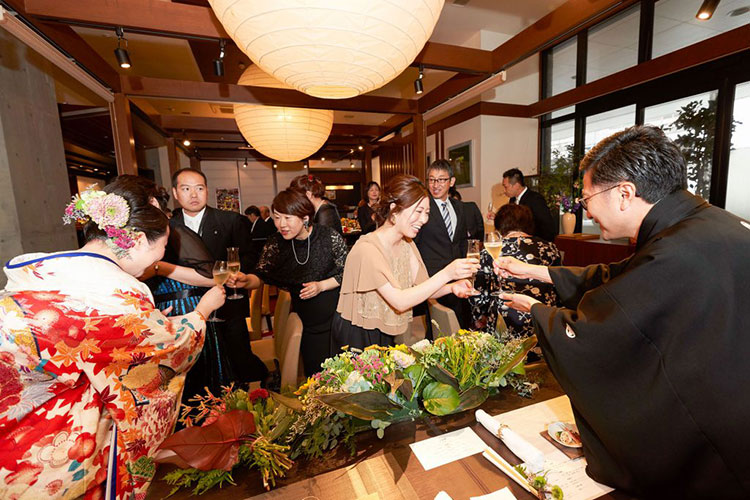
738, 182
603, 125
561, 68
691, 123
561, 138
675, 25
613, 45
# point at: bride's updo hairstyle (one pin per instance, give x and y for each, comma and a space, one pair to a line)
144, 217
403, 191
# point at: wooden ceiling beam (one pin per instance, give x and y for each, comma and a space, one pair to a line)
454, 58
162, 88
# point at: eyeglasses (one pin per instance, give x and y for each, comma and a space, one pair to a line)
438, 181
585, 201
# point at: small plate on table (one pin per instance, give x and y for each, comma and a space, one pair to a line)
565, 434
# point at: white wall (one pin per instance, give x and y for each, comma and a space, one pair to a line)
376, 170
256, 182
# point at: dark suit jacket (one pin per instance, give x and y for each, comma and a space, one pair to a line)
259, 233
436, 248
544, 224
474, 221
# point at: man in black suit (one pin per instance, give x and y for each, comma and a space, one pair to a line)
516, 190
443, 238
220, 229
259, 232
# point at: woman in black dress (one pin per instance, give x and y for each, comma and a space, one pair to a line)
326, 213
308, 260
366, 211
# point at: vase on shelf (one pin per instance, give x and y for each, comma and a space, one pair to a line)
568, 223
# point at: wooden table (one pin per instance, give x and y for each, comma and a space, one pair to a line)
388, 463
589, 249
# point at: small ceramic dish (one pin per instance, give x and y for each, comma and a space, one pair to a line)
564, 433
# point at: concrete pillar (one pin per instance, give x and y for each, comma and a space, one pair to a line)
33, 175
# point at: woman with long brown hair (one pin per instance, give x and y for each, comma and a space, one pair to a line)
385, 277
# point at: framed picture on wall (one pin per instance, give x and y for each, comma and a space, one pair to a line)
228, 199
460, 157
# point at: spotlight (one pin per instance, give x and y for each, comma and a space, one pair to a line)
418, 87
360, 147
244, 165
351, 165
322, 158
185, 141
707, 10
219, 63
122, 56
274, 165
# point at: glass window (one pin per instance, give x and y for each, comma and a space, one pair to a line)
561, 71
603, 125
691, 123
675, 25
613, 44
738, 182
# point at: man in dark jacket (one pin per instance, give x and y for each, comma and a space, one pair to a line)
516, 189
653, 350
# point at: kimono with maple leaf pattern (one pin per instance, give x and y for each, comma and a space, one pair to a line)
91, 376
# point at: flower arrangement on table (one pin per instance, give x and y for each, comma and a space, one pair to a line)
355, 390
570, 203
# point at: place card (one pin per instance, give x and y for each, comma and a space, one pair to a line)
447, 448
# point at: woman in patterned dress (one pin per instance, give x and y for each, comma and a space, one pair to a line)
515, 223
91, 372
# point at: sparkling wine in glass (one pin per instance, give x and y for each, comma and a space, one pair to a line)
221, 275
473, 251
493, 243
233, 264
490, 210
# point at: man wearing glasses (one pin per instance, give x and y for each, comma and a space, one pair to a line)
443, 238
653, 350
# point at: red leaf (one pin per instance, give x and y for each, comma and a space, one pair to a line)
215, 446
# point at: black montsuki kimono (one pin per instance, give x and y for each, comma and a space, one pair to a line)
654, 353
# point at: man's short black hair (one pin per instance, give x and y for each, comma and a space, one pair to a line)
514, 176
444, 165
252, 210
643, 155
176, 175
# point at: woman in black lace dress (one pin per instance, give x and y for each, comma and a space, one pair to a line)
308, 260
515, 223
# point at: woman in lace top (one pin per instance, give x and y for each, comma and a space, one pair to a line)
385, 276
308, 260
516, 225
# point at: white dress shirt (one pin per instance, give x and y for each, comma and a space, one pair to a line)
194, 223
518, 198
451, 212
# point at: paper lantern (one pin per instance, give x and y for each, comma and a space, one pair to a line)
281, 133
330, 48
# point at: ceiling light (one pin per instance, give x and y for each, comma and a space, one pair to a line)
360, 147
418, 88
185, 140
244, 165
351, 165
322, 158
707, 10
219, 63
122, 56
274, 165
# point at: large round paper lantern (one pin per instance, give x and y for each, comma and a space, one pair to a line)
281, 133
330, 48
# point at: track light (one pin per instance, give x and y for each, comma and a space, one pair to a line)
122, 56
322, 158
360, 147
274, 165
244, 165
219, 63
418, 87
707, 10
351, 165
185, 141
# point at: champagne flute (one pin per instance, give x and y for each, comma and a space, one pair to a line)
473, 251
490, 210
233, 264
493, 243
221, 275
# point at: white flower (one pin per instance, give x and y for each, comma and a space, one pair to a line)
355, 382
402, 359
421, 346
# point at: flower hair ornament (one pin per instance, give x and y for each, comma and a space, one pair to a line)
110, 212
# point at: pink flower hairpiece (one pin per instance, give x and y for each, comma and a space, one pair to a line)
109, 211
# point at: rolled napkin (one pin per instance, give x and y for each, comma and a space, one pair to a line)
519, 446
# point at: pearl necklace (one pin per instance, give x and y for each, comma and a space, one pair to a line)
308, 252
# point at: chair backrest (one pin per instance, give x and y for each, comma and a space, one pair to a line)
445, 318
256, 297
280, 317
265, 304
289, 355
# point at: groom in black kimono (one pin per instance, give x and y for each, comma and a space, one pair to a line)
653, 351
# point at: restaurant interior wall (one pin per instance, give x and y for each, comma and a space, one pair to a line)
256, 183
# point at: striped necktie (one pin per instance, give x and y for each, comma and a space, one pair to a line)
447, 220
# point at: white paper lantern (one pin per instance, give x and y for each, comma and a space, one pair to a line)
330, 48
284, 134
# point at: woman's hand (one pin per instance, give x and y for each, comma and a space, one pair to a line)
462, 268
518, 301
237, 280
311, 289
463, 289
212, 300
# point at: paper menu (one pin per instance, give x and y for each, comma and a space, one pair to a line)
570, 475
447, 448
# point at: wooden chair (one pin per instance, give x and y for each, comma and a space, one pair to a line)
281, 312
254, 321
282, 351
445, 318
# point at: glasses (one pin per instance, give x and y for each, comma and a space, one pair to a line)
438, 181
585, 201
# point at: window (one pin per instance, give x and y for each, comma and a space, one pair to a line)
561, 71
738, 201
613, 45
675, 25
691, 123
603, 125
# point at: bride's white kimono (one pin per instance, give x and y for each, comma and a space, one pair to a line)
91, 376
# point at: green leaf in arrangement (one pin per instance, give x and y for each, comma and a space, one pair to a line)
471, 398
366, 405
291, 403
517, 358
440, 399
443, 376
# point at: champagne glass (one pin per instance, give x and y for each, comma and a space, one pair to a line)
493, 243
221, 275
490, 210
473, 251
233, 264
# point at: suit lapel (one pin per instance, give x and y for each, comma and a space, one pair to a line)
440, 223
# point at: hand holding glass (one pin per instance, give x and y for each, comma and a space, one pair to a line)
233, 264
493, 243
221, 275
473, 251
